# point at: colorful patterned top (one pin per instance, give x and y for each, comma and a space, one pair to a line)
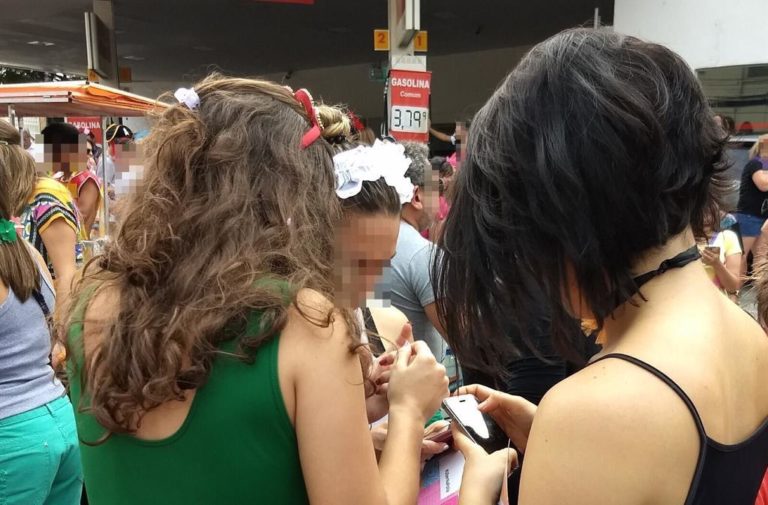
50, 201
75, 186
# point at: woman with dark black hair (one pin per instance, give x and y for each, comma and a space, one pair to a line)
588, 175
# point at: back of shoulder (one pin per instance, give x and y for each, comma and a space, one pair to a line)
313, 320
614, 399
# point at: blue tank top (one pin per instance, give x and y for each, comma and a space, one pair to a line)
27, 380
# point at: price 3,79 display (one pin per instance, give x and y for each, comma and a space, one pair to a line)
410, 119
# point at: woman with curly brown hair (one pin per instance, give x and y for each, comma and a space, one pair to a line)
210, 365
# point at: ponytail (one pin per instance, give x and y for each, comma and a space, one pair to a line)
18, 270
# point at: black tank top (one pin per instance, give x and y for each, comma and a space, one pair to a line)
725, 474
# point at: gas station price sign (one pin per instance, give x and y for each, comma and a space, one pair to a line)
410, 119
409, 104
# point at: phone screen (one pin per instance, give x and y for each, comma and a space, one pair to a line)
476, 425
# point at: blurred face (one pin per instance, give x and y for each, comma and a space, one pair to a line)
365, 244
461, 132
27, 139
763, 149
427, 200
66, 158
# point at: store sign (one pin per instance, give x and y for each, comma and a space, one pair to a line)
409, 105
87, 125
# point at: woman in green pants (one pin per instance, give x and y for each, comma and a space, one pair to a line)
39, 454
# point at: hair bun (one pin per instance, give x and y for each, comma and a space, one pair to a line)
337, 126
10, 136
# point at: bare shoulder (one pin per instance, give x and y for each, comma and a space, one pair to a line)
316, 329
603, 398
313, 317
389, 323
612, 418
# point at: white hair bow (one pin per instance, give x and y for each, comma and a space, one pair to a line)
188, 96
364, 163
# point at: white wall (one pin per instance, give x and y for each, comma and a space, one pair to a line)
461, 83
707, 33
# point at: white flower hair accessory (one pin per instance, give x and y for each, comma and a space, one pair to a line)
188, 96
364, 163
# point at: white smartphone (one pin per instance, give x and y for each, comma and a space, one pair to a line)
479, 427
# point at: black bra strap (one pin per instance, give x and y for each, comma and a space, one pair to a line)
40, 299
679, 261
666, 380
374, 339
703, 439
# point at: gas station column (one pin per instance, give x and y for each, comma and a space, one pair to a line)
409, 82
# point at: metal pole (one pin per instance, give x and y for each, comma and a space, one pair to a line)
104, 152
12, 115
597, 17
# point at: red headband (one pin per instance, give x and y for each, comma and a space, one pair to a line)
356, 123
305, 99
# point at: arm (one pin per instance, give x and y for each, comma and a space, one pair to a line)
729, 273
440, 135
58, 351
88, 203
390, 322
335, 446
59, 239
421, 283
431, 311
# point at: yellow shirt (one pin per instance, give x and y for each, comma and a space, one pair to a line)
728, 242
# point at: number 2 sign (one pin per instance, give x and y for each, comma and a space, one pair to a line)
409, 104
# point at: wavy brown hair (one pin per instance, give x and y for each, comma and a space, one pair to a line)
233, 217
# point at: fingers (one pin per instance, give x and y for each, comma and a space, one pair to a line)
489, 404
436, 427
403, 356
510, 457
406, 335
482, 393
430, 448
421, 350
463, 443
383, 377
386, 359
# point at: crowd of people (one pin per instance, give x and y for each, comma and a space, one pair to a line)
227, 347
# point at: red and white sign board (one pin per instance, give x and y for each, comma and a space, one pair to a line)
409, 104
88, 125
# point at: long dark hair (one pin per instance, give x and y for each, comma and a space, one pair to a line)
595, 149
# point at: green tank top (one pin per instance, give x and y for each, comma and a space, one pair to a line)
236, 446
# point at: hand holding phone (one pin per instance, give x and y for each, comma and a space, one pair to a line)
476, 425
710, 255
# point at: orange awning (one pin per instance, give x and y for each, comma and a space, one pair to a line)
72, 98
